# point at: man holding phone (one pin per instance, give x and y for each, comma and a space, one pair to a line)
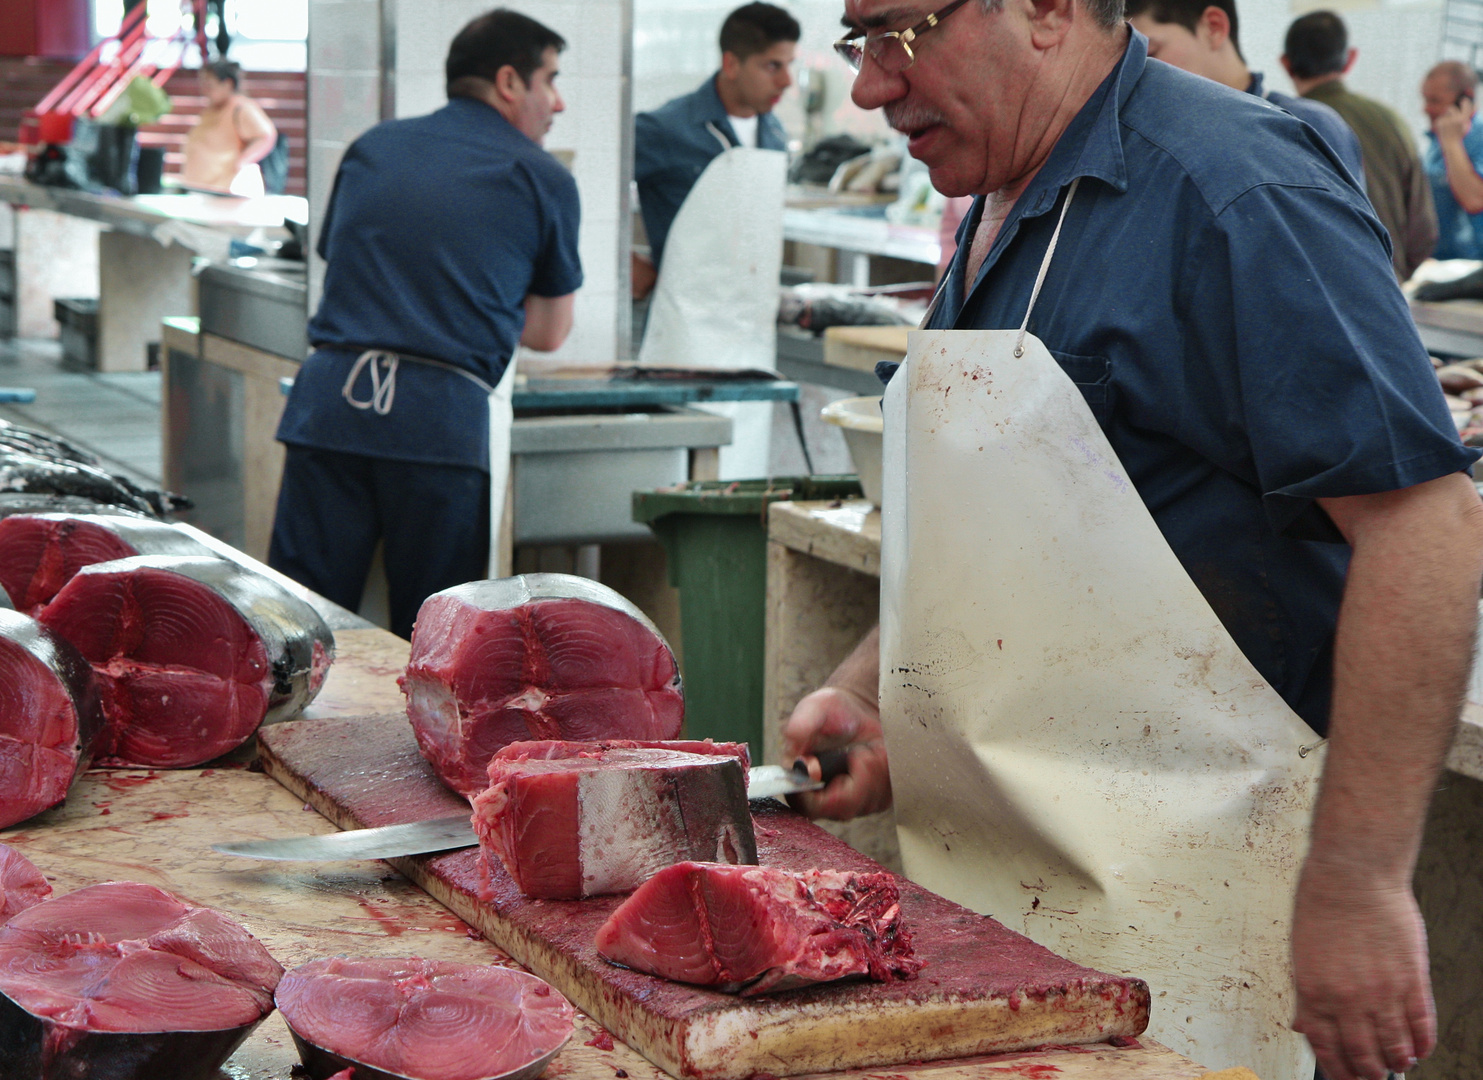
1454, 159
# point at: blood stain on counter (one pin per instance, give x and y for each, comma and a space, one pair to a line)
602, 1040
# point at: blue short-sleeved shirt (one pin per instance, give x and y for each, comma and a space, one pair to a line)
438, 228
672, 146
1335, 131
1459, 234
1228, 309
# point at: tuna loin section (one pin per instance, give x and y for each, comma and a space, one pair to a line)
126, 982
39, 553
570, 820
758, 930
543, 656
49, 717
424, 1019
21, 884
191, 654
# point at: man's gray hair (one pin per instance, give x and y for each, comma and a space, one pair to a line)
1107, 13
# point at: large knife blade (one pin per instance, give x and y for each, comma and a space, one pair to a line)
449, 833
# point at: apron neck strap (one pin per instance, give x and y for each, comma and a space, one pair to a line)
1019, 342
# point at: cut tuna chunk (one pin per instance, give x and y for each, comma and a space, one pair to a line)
21, 884
50, 718
39, 553
126, 982
424, 1019
572, 819
191, 654
544, 656
758, 930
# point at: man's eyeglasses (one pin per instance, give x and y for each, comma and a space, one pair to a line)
891, 50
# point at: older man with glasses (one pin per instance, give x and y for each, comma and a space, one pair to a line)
1227, 308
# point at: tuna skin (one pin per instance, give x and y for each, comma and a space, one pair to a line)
21, 884
540, 657
50, 717
569, 820
758, 930
425, 1019
191, 654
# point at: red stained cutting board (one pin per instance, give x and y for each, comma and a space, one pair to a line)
983, 988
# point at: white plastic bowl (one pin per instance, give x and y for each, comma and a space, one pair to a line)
861, 421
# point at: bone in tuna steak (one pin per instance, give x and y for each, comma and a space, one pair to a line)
39, 553
21, 884
123, 981
570, 820
543, 656
758, 930
423, 1019
50, 718
191, 654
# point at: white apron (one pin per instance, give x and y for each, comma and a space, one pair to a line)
501, 421
1077, 745
715, 304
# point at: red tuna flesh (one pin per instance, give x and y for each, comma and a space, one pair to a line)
424, 1019
39, 553
125, 981
543, 656
21, 884
758, 930
49, 717
191, 654
570, 820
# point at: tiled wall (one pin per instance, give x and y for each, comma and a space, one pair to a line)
345, 88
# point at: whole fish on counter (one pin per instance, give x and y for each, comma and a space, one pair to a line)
541, 656
191, 654
34, 462
50, 717
571, 819
39, 553
123, 981
423, 1019
758, 930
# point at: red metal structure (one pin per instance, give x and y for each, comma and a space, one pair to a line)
99, 78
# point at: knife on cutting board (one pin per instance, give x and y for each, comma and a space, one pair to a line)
449, 833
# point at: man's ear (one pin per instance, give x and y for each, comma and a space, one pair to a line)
730, 65
1350, 59
1051, 19
1217, 26
508, 84
1286, 64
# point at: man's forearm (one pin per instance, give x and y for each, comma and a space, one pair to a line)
1403, 651
1462, 177
860, 673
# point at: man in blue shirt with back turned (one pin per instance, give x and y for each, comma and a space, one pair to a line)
1223, 297
451, 239
673, 144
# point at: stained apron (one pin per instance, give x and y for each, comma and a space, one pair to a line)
1077, 745
715, 304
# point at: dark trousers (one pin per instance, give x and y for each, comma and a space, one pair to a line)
333, 507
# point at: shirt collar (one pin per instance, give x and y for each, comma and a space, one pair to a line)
1255, 86
712, 109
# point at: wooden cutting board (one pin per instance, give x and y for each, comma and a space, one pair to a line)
983, 988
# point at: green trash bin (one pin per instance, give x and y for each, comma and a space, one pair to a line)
714, 534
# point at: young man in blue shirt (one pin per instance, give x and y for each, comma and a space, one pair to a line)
450, 239
674, 143
1288, 440
1203, 38
1454, 159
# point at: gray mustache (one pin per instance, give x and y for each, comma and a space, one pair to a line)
904, 116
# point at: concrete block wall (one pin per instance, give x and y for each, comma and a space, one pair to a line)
346, 96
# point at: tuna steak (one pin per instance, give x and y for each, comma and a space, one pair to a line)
123, 981
39, 553
424, 1019
759, 930
191, 654
543, 656
21, 884
570, 820
50, 718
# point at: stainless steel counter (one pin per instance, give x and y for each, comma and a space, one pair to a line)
260, 303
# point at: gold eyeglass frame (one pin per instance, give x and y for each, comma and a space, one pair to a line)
854, 54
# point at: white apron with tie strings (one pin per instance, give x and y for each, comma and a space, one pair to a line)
380, 368
715, 304
1077, 746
